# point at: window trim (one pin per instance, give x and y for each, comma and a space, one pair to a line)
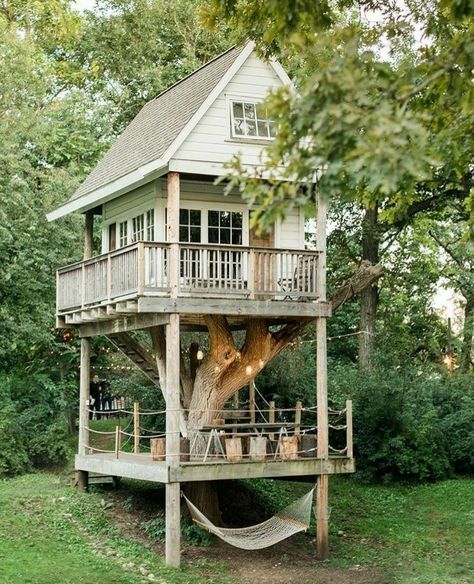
231, 137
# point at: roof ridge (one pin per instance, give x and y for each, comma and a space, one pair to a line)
193, 72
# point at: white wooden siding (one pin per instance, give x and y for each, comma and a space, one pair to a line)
130, 204
210, 141
289, 233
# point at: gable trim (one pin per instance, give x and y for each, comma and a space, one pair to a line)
110, 191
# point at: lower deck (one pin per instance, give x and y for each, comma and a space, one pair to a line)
143, 467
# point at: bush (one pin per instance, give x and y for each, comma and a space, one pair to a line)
413, 424
32, 427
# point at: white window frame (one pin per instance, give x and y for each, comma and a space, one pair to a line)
235, 98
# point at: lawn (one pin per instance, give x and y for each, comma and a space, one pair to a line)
421, 534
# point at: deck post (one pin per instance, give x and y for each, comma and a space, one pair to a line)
322, 487
84, 380
88, 234
173, 405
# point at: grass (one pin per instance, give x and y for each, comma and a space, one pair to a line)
50, 533
414, 534
420, 534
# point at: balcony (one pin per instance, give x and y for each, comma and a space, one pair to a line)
213, 279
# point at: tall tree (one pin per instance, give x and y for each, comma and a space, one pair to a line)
388, 133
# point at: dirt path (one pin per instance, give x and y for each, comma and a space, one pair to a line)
291, 561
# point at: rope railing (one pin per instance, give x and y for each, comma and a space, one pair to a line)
219, 430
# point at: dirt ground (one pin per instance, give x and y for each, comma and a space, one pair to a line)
290, 561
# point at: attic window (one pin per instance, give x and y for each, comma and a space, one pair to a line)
250, 120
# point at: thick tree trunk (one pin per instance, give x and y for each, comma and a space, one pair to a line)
369, 296
468, 332
208, 384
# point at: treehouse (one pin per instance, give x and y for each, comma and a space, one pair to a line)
178, 255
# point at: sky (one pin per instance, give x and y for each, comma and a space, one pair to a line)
84, 4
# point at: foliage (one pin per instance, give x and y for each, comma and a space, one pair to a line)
32, 428
374, 129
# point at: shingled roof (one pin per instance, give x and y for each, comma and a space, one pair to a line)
158, 123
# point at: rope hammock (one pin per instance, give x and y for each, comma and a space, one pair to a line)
291, 520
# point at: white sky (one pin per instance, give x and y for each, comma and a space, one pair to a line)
84, 4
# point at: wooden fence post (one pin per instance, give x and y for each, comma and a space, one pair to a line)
298, 409
136, 427
118, 439
252, 401
350, 448
271, 418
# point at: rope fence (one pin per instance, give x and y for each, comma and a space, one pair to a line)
225, 438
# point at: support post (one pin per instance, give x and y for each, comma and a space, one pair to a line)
88, 234
84, 380
252, 401
173, 405
82, 480
173, 232
136, 427
322, 488
118, 441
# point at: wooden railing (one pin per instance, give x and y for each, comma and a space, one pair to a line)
214, 270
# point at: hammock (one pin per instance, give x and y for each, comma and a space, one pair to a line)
291, 520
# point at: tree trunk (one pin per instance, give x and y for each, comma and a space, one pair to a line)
468, 331
208, 384
369, 296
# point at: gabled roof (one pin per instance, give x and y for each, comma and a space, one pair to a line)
157, 131
158, 123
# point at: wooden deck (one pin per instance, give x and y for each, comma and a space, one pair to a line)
142, 467
233, 280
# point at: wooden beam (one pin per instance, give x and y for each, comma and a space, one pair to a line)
142, 467
322, 487
234, 307
84, 381
88, 234
123, 324
173, 405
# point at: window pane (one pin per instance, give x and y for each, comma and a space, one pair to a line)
263, 129
251, 128
236, 237
225, 218
196, 234
184, 216
238, 110
236, 220
261, 111
213, 218
213, 235
225, 236
183, 233
150, 225
249, 110
239, 127
195, 217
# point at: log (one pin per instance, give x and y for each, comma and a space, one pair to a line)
258, 448
158, 449
289, 447
233, 449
